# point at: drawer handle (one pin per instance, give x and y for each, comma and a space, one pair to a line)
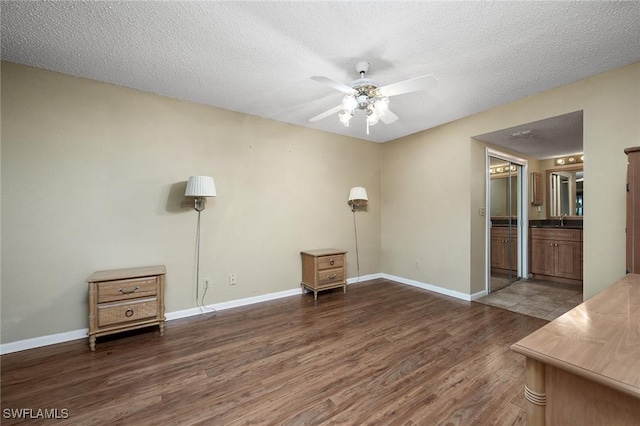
129, 312
331, 262
129, 291
332, 276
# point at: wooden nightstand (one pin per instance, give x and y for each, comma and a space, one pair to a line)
125, 299
323, 269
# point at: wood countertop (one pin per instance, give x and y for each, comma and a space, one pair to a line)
120, 274
324, 252
598, 340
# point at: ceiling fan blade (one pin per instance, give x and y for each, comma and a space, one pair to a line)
411, 85
336, 85
389, 117
326, 114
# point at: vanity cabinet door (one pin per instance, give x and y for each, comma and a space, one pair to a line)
543, 257
569, 259
498, 253
556, 254
504, 249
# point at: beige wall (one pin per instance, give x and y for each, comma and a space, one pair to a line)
93, 175
425, 207
433, 184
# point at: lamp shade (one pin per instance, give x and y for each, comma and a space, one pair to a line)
358, 193
200, 186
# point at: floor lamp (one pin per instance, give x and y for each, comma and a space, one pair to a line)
199, 187
357, 199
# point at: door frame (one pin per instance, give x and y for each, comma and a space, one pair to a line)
523, 217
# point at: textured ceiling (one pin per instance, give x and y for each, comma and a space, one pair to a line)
258, 57
549, 138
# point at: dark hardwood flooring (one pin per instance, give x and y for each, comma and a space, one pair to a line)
382, 354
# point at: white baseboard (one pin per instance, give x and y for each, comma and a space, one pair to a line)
478, 295
52, 339
37, 342
233, 303
356, 280
255, 299
434, 288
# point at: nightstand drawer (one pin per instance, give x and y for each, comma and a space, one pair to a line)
330, 276
330, 262
127, 289
116, 313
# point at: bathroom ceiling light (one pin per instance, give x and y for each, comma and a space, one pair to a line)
522, 134
569, 160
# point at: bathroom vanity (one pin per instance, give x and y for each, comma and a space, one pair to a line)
556, 254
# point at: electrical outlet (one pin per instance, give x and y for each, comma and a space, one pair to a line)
206, 282
232, 279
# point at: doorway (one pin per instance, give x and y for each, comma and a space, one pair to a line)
552, 145
506, 187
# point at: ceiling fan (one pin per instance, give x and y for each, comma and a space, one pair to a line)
366, 95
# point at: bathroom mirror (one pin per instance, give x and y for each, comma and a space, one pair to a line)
565, 195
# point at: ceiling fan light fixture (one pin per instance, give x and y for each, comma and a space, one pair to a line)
363, 101
381, 105
366, 95
345, 117
372, 118
349, 103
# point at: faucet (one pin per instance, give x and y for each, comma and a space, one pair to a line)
562, 219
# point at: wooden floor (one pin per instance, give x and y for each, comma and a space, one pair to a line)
383, 354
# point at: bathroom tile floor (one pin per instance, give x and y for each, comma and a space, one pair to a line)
499, 281
536, 298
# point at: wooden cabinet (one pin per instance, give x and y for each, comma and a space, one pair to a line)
504, 249
556, 254
323, 269
582, 368
633, 210
536, 189
125, 299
